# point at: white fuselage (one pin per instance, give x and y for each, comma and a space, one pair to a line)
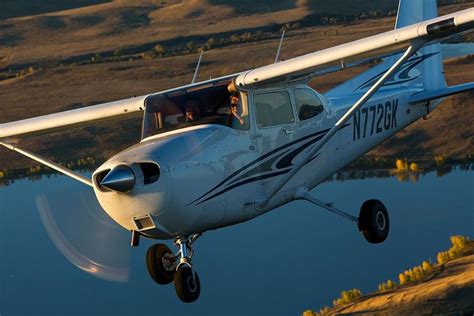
212, 176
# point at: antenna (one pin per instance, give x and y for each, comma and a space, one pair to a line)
197, 67
277, 57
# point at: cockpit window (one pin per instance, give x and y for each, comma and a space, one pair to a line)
308, 103
273, 108
213, 105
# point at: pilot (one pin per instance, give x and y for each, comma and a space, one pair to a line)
234, 103
192, 112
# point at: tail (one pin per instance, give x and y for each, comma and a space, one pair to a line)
430, 63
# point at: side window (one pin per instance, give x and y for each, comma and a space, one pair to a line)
273, 108
308, 104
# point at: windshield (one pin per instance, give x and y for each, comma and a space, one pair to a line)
214, 105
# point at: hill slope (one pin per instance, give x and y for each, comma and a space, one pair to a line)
46, 39
449, 291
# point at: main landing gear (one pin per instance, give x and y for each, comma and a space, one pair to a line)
373, 221
165, 267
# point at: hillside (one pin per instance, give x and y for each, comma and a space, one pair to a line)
58, 69
448, 291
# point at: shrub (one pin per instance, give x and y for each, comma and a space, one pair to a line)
443, 257
347, 297
440, 160
402, 165
211, 43
387, 286
159, 49
403, 278
427, 267
414, 167
191, 47
458, 245
418, 273
459, 241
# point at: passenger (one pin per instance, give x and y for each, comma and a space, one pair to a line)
234, 103
191, 114
192, 111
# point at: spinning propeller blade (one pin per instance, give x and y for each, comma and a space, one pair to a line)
89, 240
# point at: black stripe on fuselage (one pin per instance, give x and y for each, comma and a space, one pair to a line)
284, 168
402, 76
285, 162
265, 156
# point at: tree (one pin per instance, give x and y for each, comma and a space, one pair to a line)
159, 49
191, 46
210, 43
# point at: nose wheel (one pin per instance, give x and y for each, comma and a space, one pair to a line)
165, 267
161, 264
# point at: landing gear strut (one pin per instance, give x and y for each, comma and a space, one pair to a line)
373, 220
165, 267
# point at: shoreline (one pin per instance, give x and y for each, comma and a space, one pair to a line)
365, 167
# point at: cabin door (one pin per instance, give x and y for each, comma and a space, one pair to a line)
273, 131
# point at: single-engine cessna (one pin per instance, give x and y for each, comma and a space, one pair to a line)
223, 151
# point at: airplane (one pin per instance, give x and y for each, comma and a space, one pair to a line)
223, 151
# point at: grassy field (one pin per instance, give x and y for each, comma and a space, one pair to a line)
51, 81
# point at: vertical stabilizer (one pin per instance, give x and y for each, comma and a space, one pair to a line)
414, 11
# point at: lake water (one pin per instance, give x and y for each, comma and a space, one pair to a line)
59, 253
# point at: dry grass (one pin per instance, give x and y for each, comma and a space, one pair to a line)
87, 29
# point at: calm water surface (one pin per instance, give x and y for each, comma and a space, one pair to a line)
61, 255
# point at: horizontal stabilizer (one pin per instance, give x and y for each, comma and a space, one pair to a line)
440, 93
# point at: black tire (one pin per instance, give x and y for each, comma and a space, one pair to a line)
160, 269
187, 284
374, 222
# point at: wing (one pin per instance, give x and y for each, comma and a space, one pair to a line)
314, 64
95, 112
426, 32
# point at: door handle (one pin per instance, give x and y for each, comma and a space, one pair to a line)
289, 131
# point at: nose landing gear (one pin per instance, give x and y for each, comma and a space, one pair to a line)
165, 267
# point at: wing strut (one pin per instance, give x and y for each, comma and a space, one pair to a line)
408, 53
49, 163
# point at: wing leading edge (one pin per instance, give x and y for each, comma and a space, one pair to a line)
426, 32
433, 30
95, 112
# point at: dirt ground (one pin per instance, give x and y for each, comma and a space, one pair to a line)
53, 89
449, 291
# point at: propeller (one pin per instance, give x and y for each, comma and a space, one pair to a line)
86, 236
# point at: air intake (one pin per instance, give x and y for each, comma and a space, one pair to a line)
151, 172
144, 223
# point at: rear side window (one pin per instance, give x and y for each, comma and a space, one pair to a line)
308, 104
273, 108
